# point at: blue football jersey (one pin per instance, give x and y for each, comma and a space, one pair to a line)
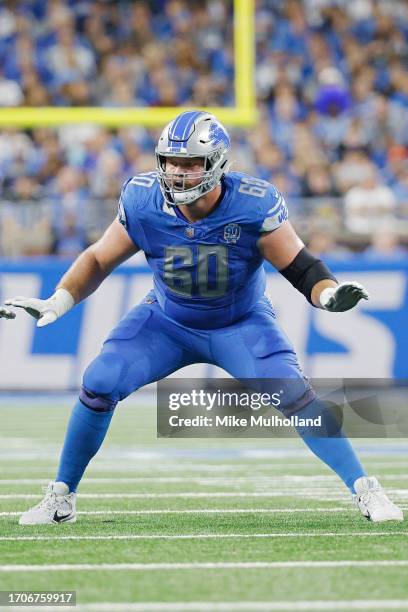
209, 273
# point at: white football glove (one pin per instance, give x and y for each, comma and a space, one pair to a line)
5, 313
45, 311
343, 297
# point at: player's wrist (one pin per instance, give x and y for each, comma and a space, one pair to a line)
62, 301
326, 295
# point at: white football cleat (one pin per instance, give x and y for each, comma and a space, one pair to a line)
373, 502
58, 506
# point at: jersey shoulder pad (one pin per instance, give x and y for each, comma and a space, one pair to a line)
273, 209
137, 192
264, 200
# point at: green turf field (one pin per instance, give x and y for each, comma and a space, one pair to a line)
192, 525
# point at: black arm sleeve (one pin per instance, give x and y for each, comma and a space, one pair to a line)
305, 271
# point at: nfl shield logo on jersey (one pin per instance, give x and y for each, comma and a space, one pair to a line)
189, 232
232, 232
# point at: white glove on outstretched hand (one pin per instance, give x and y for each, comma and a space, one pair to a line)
45, 311
343, 297
5, 313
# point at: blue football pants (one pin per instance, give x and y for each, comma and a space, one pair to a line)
147, 346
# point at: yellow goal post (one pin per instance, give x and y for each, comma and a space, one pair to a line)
243, 114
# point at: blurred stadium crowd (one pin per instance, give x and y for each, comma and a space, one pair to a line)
332, 89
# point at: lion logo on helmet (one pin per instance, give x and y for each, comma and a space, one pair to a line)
217, 134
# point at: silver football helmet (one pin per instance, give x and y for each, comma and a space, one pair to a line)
192, 134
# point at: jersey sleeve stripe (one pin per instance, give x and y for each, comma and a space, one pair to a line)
276, 206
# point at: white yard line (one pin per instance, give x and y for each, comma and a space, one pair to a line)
63, 567
202, 495
206, 536
292, 480
349, 508
321, 496
204, 511
136, 479
138, 465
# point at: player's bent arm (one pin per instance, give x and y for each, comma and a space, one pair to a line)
280, 246
83, 277
285, 250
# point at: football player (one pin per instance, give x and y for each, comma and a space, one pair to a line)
205, 232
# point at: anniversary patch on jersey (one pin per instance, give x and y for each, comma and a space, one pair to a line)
232, 232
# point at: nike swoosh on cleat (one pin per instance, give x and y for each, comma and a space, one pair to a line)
57, 518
